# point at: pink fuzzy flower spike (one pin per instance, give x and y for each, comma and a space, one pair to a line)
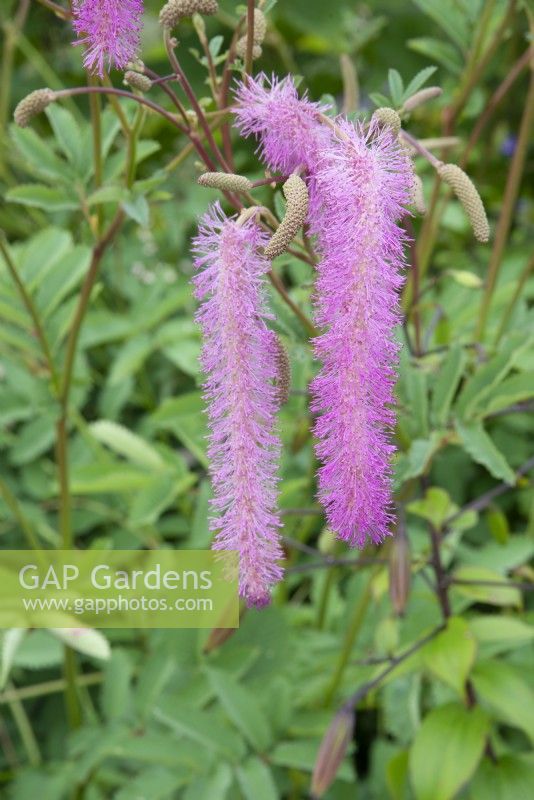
287, 126
239, 359
362, 183
110, 31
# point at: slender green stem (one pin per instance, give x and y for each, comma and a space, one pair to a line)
281, 289
328, 583
141, 99
528, 270
132, 146
96, 131
25, 730
72, 700
12, 503
58, 10
475, 67
500, 92
511, 192
364, 690
74, 712
186, 86
250, 37
31, 309
98, 251
473, 72
353, 629
11, 31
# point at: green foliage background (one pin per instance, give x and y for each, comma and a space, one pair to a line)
161, 718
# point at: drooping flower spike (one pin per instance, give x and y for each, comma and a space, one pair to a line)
359, 183
239, 358
110, 31
285, 124
363, 183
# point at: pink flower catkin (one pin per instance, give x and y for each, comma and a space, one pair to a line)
239, 358
363, 183
358, 183
110, 31
286, 125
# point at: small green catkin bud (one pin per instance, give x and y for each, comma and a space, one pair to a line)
423, 96
387, 117
296, 194
32, 105
260, 26
418, 197
176, 10
208, 7
226, 181
241, 49
467, 193
137, 81
283, 372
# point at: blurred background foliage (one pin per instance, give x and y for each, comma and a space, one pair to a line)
180, 714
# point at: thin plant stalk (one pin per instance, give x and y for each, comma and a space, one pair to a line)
511, 193
520, 285
96, 130
351, 634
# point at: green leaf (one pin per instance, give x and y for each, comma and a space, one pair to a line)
465, 278
34, 438
380, 100
129, 359
420, 454
153, 783
84, 640
101, 478
498, 525
416, 388
302, 755
442, 52
450, 17
107, 194
185, 418
156, 672
482, 385
200, 536
256, 780
41, 253
514, 389
11, 640
38, 195
482, 450
200, 727
215, 45
126, 443
397, 775
39, 156
446, 750
491, 593
436, 506
39, 650
451, 654
67, 132
418, 81
157, 496
501, 687
62, 278
500, 628
116, 697
242, 709
137, 209
510, 778
396, 86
